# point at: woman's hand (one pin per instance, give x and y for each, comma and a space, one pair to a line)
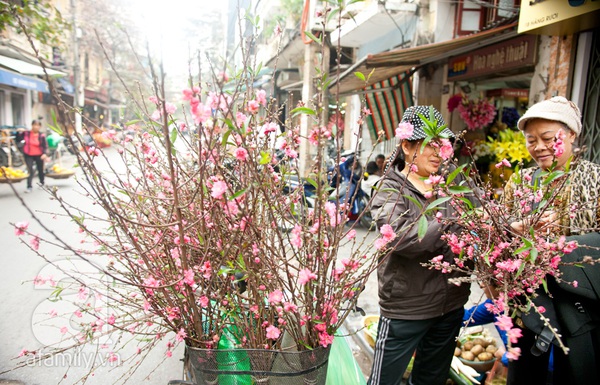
548, 222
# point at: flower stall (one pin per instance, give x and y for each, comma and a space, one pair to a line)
491, 136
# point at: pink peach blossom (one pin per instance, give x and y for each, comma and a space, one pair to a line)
21, 227
404, 130
306, 275
273, 332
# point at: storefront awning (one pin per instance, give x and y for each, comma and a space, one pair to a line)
387, 64
21, 81
66, 86
387, 100
27, 68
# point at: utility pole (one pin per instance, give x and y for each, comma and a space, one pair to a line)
76, 70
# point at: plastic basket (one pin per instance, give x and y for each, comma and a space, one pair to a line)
370, 336
257, 366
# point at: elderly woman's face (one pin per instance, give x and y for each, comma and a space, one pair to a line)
540, 137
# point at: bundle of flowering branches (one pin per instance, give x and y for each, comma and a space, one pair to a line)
516, 263
202, 238
192, 220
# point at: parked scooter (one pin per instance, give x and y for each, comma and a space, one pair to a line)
347, 189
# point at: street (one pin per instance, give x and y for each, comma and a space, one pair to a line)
26, 321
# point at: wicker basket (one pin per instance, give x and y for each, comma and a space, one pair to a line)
12, 180
63, 175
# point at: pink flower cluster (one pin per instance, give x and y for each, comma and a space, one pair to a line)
476, 114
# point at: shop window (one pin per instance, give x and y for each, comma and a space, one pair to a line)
469, 17
500, 9
473, 16
18, 109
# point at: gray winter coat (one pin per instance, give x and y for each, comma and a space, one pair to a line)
408, 290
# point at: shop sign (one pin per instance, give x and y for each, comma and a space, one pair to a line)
508, 93
558, 17
508, 55
22, 81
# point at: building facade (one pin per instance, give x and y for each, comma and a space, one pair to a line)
424, 52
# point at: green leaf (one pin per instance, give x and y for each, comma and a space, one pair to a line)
238, 194
567, 166
55, 296
436, 203
54, 127
265, 158
455, 173
371, 73
413, 200
173, 136
467, 202
313, 37
552, 177
533, 253
333, 12
521, 268
422, 227
360, 75
459, 190
225, 137
527, 245
303, 110
312, 182
241, 263
230, 124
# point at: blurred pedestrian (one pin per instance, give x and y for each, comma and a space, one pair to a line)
371, 176
380, 161
34, 149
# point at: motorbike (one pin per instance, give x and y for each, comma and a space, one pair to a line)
346, 183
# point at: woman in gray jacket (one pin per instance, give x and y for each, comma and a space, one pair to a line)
421, 312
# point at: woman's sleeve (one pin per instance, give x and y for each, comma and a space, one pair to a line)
479, 314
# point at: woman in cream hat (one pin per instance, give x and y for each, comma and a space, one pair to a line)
552, 129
